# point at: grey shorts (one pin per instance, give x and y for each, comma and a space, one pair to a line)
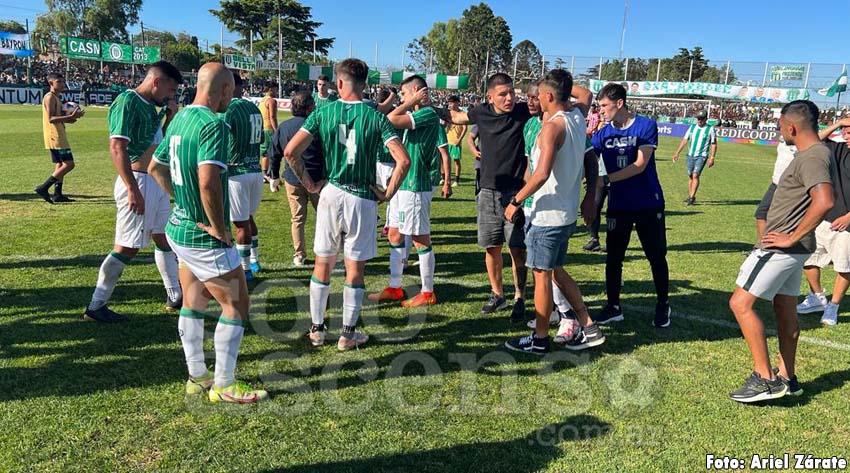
547, 246
764, 205
493, 229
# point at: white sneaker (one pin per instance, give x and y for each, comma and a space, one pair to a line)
299, 261
357, 339
812, 303
830, 315
554, 318
567, 330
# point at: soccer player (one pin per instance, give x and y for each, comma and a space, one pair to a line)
703, 147
135, 128
455, 134
557, 161
245, 178
321, 96
352, 134
410, 209
832, 236
268, 109
53, 120
191, 164
772, 272
627, 145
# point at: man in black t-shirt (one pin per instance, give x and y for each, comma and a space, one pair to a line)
500, 133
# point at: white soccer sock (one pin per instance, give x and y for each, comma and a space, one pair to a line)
319, 292
427, 263
352, 302
107, 278
245, 256
397, 257
255, 249
166, 263
560, 300
228, 337
190, 326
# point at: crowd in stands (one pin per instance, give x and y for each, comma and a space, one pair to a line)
80, 74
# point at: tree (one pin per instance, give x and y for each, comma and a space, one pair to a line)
674, 69
105, 19
13, 27
438, 50
484, 34
258, 20
529, 62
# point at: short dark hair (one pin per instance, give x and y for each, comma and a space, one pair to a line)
561, 82
323, 77
302, 101
353, 69
612, 92
237, 78
453, 99
415, 80
271, 87
804, 112
383, 95
499, 78
168, 69
53, 76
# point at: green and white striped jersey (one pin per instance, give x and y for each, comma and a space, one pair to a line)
246, 134
437, 166
136, 120
196, 137
421, 144
352, 134
701, 139
321, 102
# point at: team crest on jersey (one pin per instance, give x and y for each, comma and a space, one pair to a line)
612, 223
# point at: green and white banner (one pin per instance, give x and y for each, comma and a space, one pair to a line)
308, 72
837, 87
723, 91
81, 48
787, 72
272, 65
235, 61
435, 81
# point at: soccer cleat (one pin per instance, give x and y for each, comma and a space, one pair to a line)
812, 303
794, 388
593, 245
690, 201
249, 275
255, 267
455, 183
299, 261
352, 341
756, 389
200, 385
518, 311
237, 393
830, 315
420, 300
317, 335
44, 194
61, 198
662, 315
389, 294
610, 313
529, 344
496, 303
567, 329
173, 305
554, 318
584, 338
104, 315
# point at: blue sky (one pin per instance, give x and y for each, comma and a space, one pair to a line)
743, 31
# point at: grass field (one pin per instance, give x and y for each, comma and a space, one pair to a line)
435, 391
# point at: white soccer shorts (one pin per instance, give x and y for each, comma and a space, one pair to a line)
383, 173
343, 215
207, 263
131, 229
832, 247
246, 192
765, 274
410, 212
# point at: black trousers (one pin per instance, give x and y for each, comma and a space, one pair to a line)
601, 194
652, 232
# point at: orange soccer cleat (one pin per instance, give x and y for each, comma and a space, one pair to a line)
388, 294
421, 299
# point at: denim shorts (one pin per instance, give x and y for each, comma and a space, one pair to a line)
547, 246
695, 164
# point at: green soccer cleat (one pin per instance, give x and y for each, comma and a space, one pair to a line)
238, 393
197, 386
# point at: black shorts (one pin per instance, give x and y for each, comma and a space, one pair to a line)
61, 155
764, 205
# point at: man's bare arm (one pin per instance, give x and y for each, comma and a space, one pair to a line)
637, 167
162, 175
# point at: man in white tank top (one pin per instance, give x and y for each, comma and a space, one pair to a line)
558, 168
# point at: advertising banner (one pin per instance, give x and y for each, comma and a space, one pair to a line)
723, 91
15, 44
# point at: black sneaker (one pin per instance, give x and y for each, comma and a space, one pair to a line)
104, 315
173, 305
611, 313
690, 201
496, 303
585, 337
757, 389
61, 198
518, 312
794, 388
44, 194
592, 245
529, 344
662, 315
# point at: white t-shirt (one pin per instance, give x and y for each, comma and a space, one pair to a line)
556, 203
784, 155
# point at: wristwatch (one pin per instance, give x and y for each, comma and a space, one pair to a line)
515, 203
